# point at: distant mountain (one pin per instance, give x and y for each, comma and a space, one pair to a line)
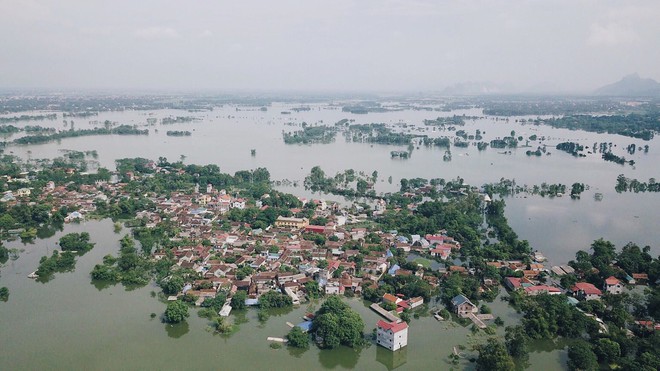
631, 86
477, 88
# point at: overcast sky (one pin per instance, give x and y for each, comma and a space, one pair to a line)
358, 45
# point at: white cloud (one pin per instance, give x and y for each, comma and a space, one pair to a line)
206, 33
157, 33
611, 34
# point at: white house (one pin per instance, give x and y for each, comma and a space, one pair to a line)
391, 335
238, 203
23, 192
613, 285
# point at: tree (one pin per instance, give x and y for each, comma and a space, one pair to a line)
172, 285
337, 324
297, 338
274, 299
7, 222
494, 357
607, 350
176, 312
516, 341
581, 357
4, 294
76, 242
312, 289
238, 300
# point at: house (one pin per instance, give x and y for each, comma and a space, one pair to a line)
392, 335
315, 229
613, 285
8, 196
389, 298
441, 252
586, 291
334, 287
515, 283
23, 192
640, 278
73, 216
462, 306
238, 203
416, 302
542, 289
380, 206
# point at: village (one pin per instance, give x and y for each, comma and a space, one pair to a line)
321, 249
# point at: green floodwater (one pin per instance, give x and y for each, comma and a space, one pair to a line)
69, 323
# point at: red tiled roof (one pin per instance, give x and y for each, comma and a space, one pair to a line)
588, 288
611, 280
403, 304
515, 281
390, 298
394, 327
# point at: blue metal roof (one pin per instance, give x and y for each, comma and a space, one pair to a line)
305, 326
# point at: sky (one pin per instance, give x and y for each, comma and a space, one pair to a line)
338, 45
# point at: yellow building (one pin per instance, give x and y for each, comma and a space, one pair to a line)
284, 222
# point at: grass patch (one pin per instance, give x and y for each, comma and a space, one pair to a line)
424, 262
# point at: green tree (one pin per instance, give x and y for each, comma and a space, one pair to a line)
4, 294
516, 341
274, 299
172, 285
7, 222
494, 357
336, 323
581, 357
607, 350
76, 242
312, 289
297, 338
176, 312
238, 300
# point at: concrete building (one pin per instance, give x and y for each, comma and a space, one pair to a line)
284, 222
392, 335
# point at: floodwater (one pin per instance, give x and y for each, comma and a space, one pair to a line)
69, 323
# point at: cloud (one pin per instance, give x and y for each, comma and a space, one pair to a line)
157, 33
611, 34
206, 33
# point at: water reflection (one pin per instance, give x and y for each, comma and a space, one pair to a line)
101, 285
391, 360
343, 356
177, 330
296, 352
48, 231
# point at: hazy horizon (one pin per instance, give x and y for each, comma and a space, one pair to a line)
313, 46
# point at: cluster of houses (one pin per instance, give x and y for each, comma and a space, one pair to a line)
282, 258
